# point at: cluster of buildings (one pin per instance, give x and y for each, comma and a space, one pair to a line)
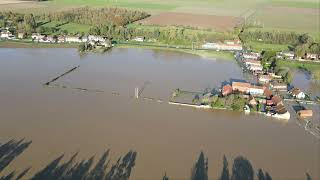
290, 55
272, 105
228, 45
6, 34
252, 62
91, 39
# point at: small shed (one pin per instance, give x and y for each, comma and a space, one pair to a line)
305, 113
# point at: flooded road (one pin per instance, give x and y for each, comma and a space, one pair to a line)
167, 138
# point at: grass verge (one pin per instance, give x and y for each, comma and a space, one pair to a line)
202, 53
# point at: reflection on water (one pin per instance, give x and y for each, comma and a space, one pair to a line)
166, 137
72, 169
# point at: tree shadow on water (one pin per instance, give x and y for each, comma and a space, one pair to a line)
200, 169
85, 169
10, 150
242, 169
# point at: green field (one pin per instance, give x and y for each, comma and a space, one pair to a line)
70, 27
301, 16
259, 46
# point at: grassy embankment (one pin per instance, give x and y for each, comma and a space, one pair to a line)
202, 53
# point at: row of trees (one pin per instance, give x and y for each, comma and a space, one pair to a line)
301, 43
175, 35
95, 16
29, 23
274, 37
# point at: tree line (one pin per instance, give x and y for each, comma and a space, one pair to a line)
96, 16
30, 23
301, 43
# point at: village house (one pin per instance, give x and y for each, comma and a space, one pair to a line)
286, 55
252, 55
305, 113
61, 39
277, 86
84, 39
73, 39
251, 62
226, 90
268, 93
312, 56
7, 34
139, 39
264, 78
51, 39
297, 93
37, 37
21, 35
255, 67
96, 38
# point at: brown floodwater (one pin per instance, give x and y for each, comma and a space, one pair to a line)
167, 138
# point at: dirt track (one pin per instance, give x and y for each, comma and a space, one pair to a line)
219, 23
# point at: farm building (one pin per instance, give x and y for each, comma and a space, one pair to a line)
297, 93
222, 46
242, 87
139, 39
226, 90
305, 113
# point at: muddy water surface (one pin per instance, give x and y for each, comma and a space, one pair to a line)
167, 138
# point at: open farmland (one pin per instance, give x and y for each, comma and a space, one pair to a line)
219, 23
289, 18
288, 15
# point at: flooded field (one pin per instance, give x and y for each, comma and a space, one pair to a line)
166, 138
